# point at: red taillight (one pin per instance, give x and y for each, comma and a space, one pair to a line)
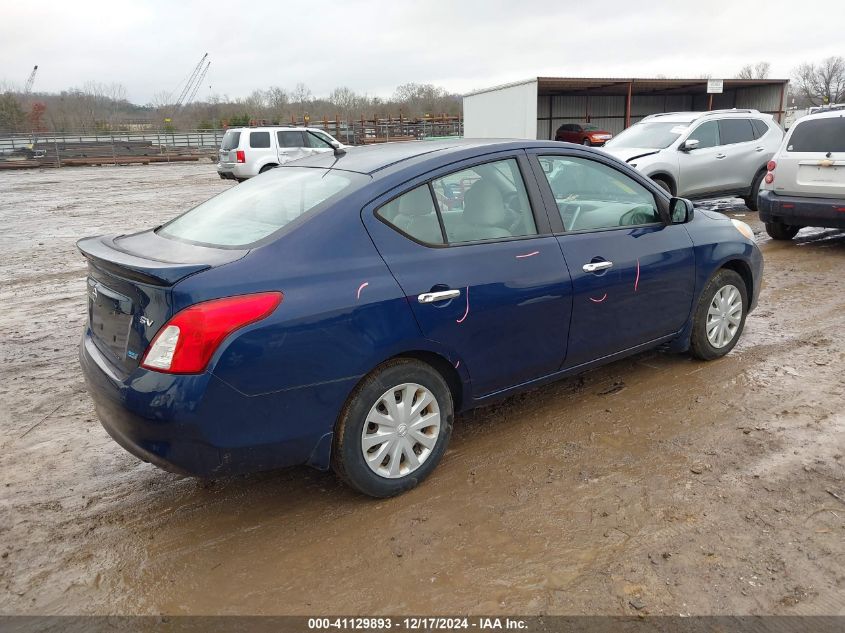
770, 178
186, 343
771, 165
240, 156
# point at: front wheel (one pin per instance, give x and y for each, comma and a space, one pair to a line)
720, 316
781, 231
394, 429
587, 142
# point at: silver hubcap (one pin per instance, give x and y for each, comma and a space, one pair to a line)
724, 316
401, 430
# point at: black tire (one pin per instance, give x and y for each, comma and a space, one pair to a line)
661, 182
267, 168
781, 231
751, 200
347, 454
587, 142
700, 345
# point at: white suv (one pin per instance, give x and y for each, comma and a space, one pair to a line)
248, 151
805, 183
702, 154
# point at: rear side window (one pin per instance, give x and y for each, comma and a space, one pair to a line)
290, 139
413, 213
818, 135
231, 140
259, 139
255, 209
707, 135
486, 202
735, 131
760, 127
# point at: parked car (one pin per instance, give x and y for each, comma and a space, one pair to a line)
805, 183
582, 134
248, 151
702, 154
334, 313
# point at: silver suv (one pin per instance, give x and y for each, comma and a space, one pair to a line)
805, 184
702, 154
248, 151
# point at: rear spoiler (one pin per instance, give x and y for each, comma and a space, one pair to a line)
105, 254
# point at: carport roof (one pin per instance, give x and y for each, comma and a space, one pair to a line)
639, 86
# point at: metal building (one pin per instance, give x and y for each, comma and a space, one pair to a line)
536, 107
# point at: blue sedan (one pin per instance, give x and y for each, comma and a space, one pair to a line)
338, 311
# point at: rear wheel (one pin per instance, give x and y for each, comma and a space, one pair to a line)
751, 200
663, 184
720, 316
394, 429
267, 168
781, 231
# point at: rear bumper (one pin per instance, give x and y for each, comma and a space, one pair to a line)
801, 210
233, 171
198, 425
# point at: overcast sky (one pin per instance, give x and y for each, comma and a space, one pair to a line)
372, 45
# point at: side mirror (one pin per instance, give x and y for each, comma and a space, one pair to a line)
338, 148
689, 144
682, 210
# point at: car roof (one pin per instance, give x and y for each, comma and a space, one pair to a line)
283, 128
369, 159
689, 117
824, 114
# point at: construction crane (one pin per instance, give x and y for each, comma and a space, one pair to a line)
28, 85
189, 84
197, 84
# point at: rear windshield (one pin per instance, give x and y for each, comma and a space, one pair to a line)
648, 135
253, 210
231, 140
818, 135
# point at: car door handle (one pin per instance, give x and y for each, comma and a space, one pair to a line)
444, 295
759, 149
594, 267
720, 156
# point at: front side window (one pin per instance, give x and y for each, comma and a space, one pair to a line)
259, 139
707, 135
485, 202
591, 195
818, 135
255, 209
735, 131
289, 139
413, 213
317, 140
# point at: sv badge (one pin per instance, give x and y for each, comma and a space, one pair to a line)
147, 321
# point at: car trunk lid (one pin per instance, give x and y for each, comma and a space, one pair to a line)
130, 279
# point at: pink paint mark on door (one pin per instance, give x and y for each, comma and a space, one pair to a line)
360, 288
603, 297
637, 280
528, 255
466, 314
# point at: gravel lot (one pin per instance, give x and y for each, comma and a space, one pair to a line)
656, 485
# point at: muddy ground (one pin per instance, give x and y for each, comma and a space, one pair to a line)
658, 484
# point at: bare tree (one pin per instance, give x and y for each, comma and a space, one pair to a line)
760, 70
822, 83
302, 95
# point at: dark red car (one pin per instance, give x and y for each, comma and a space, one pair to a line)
583, 134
